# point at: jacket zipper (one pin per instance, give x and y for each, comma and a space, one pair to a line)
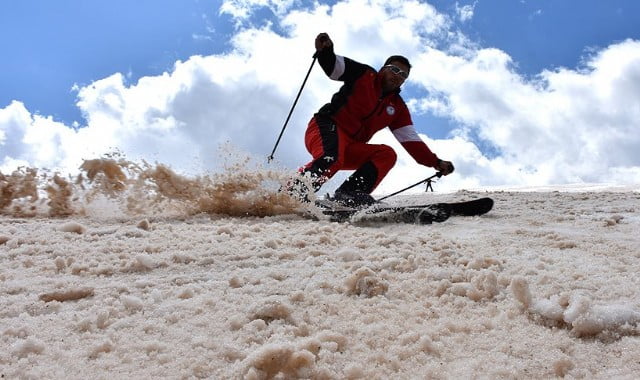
374, 109
355, 135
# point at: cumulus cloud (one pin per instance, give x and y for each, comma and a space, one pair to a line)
465, 12
565, 125
242, 97
242, 10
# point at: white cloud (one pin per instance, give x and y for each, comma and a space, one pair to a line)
243, 9
566, 126
465, 12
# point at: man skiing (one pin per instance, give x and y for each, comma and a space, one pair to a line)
338, 133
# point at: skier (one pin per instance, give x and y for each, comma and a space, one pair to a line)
338, 133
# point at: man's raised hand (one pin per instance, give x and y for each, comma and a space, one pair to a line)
323, 41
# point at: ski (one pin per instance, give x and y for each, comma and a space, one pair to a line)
416, 214
474, 207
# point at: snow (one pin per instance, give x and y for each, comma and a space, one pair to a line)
174, 286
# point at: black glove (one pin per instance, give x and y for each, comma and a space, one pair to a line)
445, 167
323, 41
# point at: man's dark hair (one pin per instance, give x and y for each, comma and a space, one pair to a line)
398, 58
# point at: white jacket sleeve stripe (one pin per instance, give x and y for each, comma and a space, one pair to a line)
406, 133
338, 68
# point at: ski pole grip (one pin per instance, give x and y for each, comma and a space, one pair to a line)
322, 39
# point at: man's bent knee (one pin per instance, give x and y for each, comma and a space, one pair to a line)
386, 157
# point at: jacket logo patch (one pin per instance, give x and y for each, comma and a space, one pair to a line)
390, 110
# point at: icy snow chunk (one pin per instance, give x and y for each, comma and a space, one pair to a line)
548, 308
132, 303
144, 262
28, 346
273, 359
74, 227
391, 263
235, 282
144, 225
520, 290
579, 305
131, 233
578, 312
157, 295
428, 346
354, 371
601, 318
19, 332
561, 367
440, 274
613, 220
102, 319
236, 322
483, 286
186, 293
272, 243
366, 282
67, 295
329, 336
271, 310
348, 254
154, 346
312, 345
60, 264
102, 348
483, 263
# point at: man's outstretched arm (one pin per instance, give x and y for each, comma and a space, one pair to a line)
413, 144
335, 66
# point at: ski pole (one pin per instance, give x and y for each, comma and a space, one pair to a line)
427, 180
270, 158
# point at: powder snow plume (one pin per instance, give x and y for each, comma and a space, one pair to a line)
114, 186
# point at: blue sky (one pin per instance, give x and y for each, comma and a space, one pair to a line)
54, 50
54, 45
543, 34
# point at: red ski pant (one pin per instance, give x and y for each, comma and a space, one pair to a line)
334, 150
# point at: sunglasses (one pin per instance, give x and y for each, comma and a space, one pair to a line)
397, 71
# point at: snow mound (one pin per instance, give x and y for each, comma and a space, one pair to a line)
584, 316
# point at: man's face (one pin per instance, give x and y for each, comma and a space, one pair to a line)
393, 76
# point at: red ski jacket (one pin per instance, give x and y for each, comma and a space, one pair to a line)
360, 109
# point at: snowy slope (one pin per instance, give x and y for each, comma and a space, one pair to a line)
544, 285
